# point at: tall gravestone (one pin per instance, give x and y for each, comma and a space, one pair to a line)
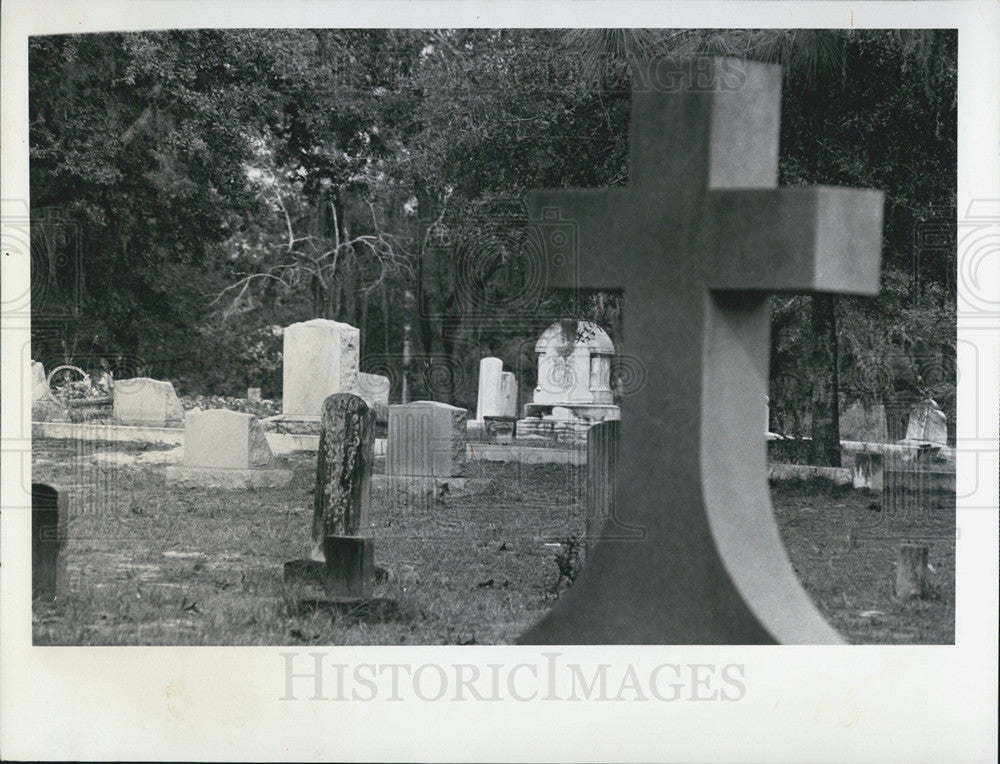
696, 240
320, 358
497, 390
341, 533
49, 522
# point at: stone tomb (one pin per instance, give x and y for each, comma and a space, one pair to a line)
226, 449
574, 383
146, 402
696, 240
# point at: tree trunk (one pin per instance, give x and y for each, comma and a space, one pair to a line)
825, 449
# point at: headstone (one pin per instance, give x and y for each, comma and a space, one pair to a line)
865, 424
928, 424
253, 395
147, 402
602, 466
911, 571
869, 471
497, 390
39, 385
341, 532
320, 358
696, 240
425, 438
49, 522
226, 449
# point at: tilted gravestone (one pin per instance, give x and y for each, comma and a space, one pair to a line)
48, 541
341, 532
148, 402
226, 449
696, 240
426, 439
928, 425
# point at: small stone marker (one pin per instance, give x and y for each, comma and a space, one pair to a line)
342, 550
147, 402
320, 357
253, 395
226, 449
911, 571
426, 439
48, 541
696, 240
927, 425
866, 424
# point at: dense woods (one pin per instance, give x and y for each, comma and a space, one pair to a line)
193, 190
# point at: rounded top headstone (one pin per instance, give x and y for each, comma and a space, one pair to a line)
568, 334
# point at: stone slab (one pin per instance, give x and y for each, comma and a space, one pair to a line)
836, 475
233, 479
502, 452
417, 485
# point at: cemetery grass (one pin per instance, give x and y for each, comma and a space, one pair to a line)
152, 564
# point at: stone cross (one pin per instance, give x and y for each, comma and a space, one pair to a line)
696, 240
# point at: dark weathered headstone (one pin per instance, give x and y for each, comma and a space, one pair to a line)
911, 571
602, 467
696, 240
343, 469
48, 541
342, 551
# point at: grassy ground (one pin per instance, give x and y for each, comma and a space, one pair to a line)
151, 564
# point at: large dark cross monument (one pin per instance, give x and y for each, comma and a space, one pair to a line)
697, 240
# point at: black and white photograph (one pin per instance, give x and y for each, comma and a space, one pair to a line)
633, 366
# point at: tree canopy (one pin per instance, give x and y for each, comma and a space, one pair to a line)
222, 183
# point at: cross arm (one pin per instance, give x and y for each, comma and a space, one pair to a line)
818, 239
